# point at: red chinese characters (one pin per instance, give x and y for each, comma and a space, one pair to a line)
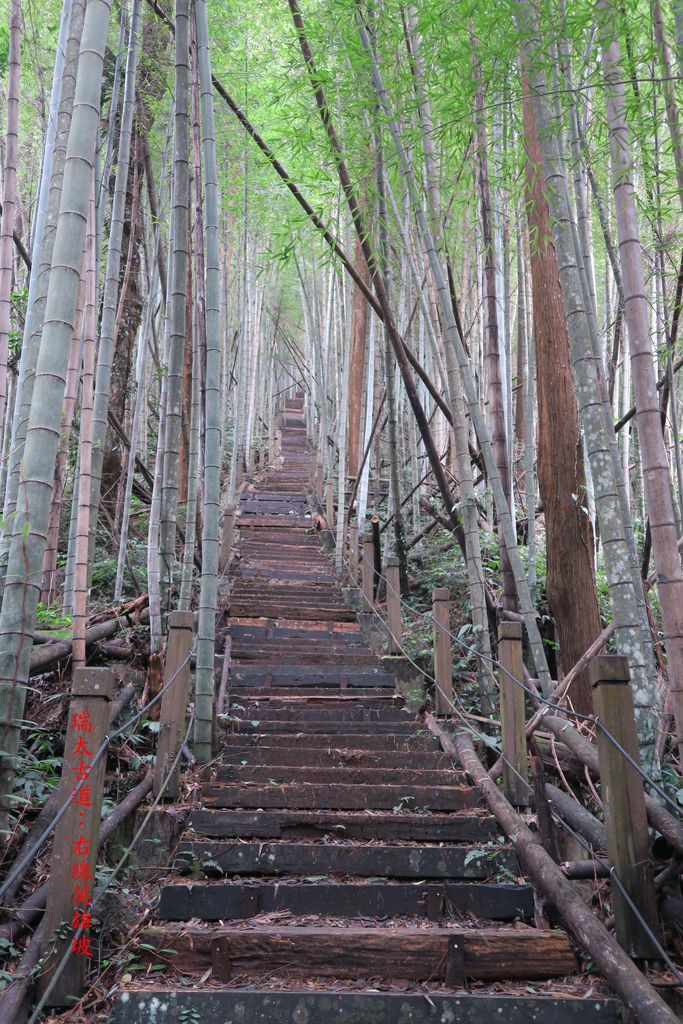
81, 869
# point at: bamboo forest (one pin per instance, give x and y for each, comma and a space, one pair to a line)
341, 511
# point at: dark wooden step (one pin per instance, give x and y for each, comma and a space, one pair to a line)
226, 901
356, 798
301, 713
335, 774
420, 954
309, 757
278, 690
453, 862
315, 727
295, 655
314, 636
251, 1006
307, 676
472, 827
337, 741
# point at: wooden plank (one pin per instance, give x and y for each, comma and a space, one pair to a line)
337, 741
309, 757
342, 859
273, 824
216, 1006
327, 727
335, 774
438, 798
419, 954
303, 711
233, 901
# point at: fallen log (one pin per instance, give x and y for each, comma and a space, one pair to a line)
659, 817
615, 966
53, 654
14, 1005
578, 818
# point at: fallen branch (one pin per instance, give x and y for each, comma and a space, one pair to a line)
615, 966
50, 655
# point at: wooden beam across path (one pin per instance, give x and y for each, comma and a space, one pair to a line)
422, 954
227, 901
215, 1006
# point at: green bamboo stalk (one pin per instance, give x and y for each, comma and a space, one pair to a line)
24, 570
177, 301
107, 343
208, 595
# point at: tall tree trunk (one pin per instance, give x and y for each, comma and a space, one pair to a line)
656, 478
107, 343
496, 404
9, 195
359, 333
22, 586
48, 213
570, 580
83, 486
625, 585
208, 595
177, 301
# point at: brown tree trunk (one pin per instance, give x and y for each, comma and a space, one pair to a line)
570, 583
359, 331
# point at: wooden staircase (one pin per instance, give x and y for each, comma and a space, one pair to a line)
339, 868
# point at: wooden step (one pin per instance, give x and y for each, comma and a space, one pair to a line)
472, 827
419, 954
278, 690
316, 727
337, 741
281, 858
275, 773
310, 757
320, 1006
303, 714
341, 797
225, 901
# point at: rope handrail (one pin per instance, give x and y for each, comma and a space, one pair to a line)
550, 705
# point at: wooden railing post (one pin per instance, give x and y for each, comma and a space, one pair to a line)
368, 570
174, 701
512, 716
227, 538
319, 473
329, 504
393, 578
74, 852
443, 672
623, 796
353, 551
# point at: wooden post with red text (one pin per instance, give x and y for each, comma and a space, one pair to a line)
74, 853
